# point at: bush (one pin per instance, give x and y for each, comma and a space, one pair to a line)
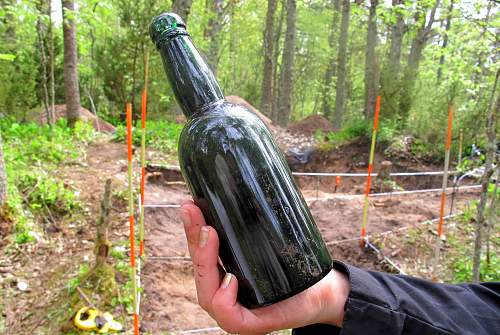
32, 153
160, 135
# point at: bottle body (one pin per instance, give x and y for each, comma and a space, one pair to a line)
242, 183
240, 180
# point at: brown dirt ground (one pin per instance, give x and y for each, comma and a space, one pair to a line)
310, 125
169, 299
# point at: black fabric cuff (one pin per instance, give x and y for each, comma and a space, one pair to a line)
369, 304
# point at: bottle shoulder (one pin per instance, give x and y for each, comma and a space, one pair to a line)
222, 118
221, 129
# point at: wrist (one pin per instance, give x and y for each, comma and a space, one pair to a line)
334, 297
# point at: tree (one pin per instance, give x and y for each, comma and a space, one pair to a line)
183, 8
445, 40
285, 104
41, 31
215, 9
218, 14
277, 65
269, 68
371, 62
417, 46
485, 179
332, 64
3, 177
71, 89
389, 78
341, 66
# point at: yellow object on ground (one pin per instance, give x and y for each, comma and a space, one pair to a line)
88, 318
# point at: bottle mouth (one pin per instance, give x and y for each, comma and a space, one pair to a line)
165, 27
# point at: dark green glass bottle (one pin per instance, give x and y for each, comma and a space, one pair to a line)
240, 180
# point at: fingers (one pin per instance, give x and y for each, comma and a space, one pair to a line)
193, 220
206, 270
226, 310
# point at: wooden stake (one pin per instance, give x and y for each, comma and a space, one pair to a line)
443, 192
460, 144
131, 216
362, 240
143, 154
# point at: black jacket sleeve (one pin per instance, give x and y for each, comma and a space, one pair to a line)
387, 304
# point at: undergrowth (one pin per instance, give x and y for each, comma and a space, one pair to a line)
32, 154
160, 135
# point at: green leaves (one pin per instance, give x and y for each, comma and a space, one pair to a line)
7, 57
160, 135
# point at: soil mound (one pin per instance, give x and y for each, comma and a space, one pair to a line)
236, 100
310, 125
85, 115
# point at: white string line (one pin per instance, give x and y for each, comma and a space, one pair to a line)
430, 190
346, 174
199, 330
394, 174
161, 206
169, 258
384, 233
387, 259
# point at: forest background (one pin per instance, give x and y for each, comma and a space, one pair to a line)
288, 58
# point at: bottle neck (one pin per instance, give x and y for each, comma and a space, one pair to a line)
192, 81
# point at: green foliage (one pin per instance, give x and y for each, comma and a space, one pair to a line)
461, 261
32, 154
463, 269
355, 129
160, 135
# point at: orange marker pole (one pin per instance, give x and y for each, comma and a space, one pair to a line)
143, 154
337, 183
443, 192
131, 215
362, 240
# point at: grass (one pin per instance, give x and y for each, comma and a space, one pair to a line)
32, 153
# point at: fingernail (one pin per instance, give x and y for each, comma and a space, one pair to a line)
203, 237
227, 280
185, 217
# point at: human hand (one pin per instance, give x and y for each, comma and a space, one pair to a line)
322, 303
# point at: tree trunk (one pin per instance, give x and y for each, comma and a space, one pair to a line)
332, 64
492, 216
3, 177
389, 79
71, 89
341, 66
102, 243
411, 71
52, 71
445, 41
43, 63
216, 17
268, 48
285, 105
277, 74
371, 71
485, 180
183, 8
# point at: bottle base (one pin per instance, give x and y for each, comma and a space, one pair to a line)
302, 288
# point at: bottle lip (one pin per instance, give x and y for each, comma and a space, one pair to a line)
165, 27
